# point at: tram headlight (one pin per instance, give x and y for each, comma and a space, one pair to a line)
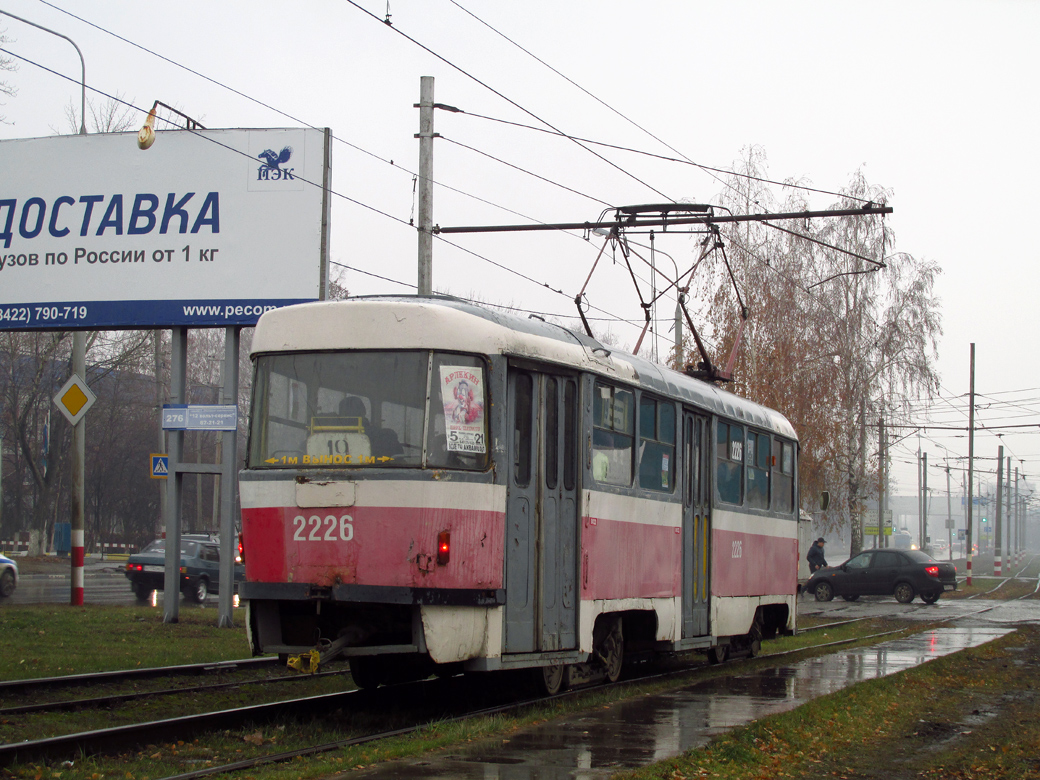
443, 547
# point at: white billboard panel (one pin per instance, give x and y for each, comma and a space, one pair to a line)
205, 228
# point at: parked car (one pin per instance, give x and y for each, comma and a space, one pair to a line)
200, 568
8, 576
900, 573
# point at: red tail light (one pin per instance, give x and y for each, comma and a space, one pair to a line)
134, 567
931, 571
443, 547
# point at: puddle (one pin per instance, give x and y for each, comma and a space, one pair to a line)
653, 728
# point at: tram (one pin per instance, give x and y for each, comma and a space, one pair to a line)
433, 486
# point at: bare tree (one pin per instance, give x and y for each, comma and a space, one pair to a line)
8, 65
112, 115
832, 339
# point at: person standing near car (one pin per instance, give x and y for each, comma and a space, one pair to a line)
815, 556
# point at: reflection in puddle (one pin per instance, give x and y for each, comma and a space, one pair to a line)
653, 728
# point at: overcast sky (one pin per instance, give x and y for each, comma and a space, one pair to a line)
935, 101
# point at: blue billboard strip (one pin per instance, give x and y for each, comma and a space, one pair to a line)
101, 315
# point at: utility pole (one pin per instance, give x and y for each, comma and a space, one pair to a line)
425, 184
997, 531
971, 454
949, 513
881, 479
1011, 528
925, 544
1018, 516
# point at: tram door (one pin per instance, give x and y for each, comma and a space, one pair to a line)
542, 513
696, 523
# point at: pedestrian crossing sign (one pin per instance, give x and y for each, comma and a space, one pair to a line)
160, 466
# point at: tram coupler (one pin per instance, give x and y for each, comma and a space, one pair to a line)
312, 661
305, 662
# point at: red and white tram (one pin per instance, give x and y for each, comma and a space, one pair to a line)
434, 486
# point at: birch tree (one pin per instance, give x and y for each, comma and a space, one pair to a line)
832, 338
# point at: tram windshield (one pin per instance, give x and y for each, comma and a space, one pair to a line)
401, 409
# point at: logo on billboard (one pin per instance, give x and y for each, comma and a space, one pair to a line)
272, 169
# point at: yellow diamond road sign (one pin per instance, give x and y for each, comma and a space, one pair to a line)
74, 399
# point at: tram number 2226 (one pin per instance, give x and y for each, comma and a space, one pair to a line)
323, 529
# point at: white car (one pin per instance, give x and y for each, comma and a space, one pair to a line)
8, 576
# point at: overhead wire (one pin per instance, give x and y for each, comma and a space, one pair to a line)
496, 92
211, 139
344, 141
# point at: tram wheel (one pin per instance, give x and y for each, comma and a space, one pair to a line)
550, 679
368, 673
613, 651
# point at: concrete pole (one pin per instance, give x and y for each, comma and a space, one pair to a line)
172, 579
997, 529
920, 502
925, 544
949, 513
425, 185
158, 363
228, 476
1018, 521
971, 456
881, 480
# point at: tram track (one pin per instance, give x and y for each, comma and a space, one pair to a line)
132, 736
35, 684
108, 701
395, 698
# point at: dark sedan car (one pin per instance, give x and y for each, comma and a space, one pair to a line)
199, 568
900, 573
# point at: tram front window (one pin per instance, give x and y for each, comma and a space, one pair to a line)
368, 409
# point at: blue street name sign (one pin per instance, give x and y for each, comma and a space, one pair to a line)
199, 417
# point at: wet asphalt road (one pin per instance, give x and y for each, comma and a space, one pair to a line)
103, 583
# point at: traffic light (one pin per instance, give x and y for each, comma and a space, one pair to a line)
984, 519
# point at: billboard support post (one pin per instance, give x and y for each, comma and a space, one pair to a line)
171, 581
228, 462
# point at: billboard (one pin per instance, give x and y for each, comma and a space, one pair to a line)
205, 229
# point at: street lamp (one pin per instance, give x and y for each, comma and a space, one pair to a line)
83, 67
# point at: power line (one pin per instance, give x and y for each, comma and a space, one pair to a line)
511, 102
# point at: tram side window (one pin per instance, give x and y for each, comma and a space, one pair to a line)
730, 466
758, 456
656, 444
613, 416
783, 476
522, 444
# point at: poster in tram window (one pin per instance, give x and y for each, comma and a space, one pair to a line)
462, 393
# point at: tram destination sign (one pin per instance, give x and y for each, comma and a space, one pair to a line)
204, 229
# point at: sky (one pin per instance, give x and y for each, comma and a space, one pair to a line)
935, 101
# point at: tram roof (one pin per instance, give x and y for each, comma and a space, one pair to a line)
445, 323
